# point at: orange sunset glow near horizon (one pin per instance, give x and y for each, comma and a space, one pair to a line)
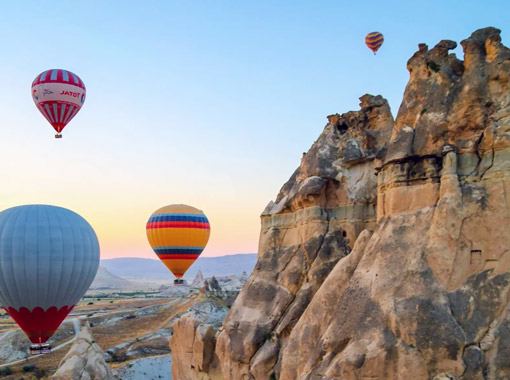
119, 221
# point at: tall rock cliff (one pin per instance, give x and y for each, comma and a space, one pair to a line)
387, 253
317, 215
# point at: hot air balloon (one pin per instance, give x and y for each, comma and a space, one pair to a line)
59, 95
178, 234
49, 256
374, 41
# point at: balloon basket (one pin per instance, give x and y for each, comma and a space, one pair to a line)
39, 349
58, 136
178, 281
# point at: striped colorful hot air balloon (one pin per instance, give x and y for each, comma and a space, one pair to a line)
374, 41
178, 234
59, 95
49, 256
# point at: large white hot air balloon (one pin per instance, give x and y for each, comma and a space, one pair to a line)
49, 256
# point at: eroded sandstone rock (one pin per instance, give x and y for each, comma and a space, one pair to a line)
387, 254
194, 340
316, 218
84, 361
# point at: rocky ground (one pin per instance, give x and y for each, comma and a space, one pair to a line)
14, 342
151, 368
85, 359
194, 338
123, 330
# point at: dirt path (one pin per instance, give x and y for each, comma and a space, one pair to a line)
179, 309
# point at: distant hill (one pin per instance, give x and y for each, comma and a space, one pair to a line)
138, 268
105, 279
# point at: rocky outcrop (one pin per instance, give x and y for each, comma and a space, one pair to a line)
194, 340
198, 281
427, 294
212, 285
84, 361
149, 345
317, 216
387, 253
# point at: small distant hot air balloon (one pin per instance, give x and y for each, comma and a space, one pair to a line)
59, 95
49, 256
374, 41
178, 234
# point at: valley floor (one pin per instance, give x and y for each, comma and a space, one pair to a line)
150, 368
129, 331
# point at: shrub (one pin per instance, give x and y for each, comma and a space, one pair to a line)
29, 368
39, 373
6, 371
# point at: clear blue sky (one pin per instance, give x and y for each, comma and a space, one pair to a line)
209, 103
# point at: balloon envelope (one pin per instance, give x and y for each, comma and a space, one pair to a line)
59, 95
49, 256
178, 234
374, 41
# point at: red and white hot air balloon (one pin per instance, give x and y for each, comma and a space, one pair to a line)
59, 95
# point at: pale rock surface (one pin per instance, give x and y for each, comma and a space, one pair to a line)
14, 343
198, 281
232, 283
148, 368
84, 361
316, 218
175, 290
427, 296
14, 346
194, 340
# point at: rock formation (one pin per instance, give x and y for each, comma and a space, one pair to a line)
232, 283
387, 253
198, 281
212, 285
194, 341
84, 361
326, 203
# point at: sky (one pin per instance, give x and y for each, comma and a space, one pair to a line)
208, 103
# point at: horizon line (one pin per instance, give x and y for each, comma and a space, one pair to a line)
203, 257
